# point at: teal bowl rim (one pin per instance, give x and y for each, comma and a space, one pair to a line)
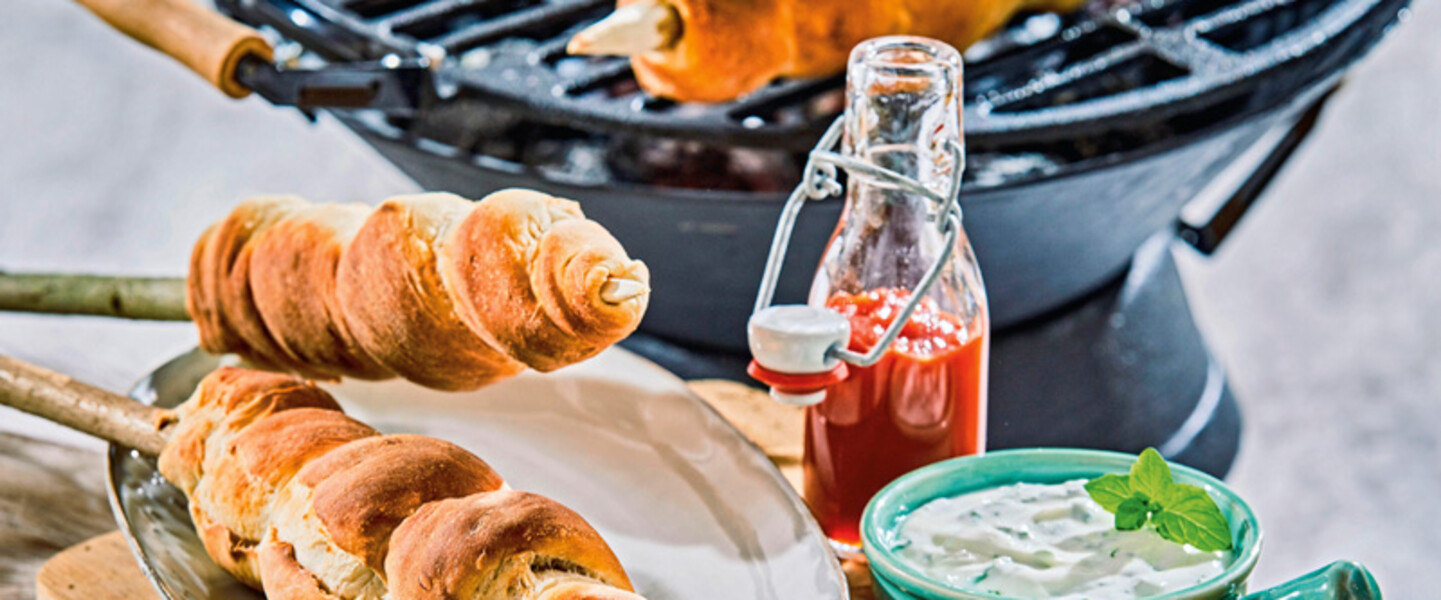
885, 564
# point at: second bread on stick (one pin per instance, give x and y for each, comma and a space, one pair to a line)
294, 497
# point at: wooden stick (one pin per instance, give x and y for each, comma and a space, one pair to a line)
83, 407
149, 298
616, 290
209, 44
635, 28
153, 298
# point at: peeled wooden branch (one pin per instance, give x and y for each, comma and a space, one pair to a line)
84, 407
636, 28
147, 298
151, 298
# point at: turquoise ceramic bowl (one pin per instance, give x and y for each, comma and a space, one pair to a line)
897, 580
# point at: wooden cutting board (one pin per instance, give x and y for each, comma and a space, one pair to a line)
100, 568
103, 568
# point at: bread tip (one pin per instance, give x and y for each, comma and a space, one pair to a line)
635, 28
618, 289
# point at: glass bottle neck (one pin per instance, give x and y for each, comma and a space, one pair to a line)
903, 109
902, 113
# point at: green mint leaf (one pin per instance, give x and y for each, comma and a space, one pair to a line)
1150, 475
1110, 490
1192, 517
1131, 514
1181, 513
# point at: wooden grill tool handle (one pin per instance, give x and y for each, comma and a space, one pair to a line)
84, 407
201, 39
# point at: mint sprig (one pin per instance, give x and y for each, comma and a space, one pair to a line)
1180, 512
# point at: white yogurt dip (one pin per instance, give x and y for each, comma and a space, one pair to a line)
1046, 541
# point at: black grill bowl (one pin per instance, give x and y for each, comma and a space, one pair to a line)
1084, 140
1041, 244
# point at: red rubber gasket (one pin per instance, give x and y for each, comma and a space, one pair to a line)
792, 383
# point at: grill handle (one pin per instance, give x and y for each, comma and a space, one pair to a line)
1206, 237
207, 43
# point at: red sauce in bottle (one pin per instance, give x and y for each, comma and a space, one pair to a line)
923, 402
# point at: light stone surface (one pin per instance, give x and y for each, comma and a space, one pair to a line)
1326, 310
1324, 306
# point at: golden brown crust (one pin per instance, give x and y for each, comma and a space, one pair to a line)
959, 24
363, 490
231, 507
726, 48
527, 270
293, 280
226, 401
826, 31
200, 301
576, 260
219, 286
495, 545
266, 455
229, 458
729, 48
397, 305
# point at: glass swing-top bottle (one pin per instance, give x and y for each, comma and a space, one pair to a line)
925, 399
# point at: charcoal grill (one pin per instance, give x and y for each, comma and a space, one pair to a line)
1087, 134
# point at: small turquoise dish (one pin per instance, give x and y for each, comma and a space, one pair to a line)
894, 579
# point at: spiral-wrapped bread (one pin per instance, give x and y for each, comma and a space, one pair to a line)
448, 293
293, 497
446, 550
719, 50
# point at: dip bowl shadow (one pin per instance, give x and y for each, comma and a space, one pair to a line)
896, 580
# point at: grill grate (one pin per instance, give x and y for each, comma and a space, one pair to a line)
1045, 77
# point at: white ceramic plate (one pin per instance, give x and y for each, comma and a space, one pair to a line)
693, 510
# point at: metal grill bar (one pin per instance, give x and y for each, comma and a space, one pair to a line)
517, 24
554, 49
1235, 15
1055, 80
597, 76
417, 16
369, 8
785, 93
1034, 86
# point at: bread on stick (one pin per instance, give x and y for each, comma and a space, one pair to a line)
294, 497
531, 274
720, 50
293, 280
448, 293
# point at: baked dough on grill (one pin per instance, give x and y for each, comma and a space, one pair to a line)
720, 50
